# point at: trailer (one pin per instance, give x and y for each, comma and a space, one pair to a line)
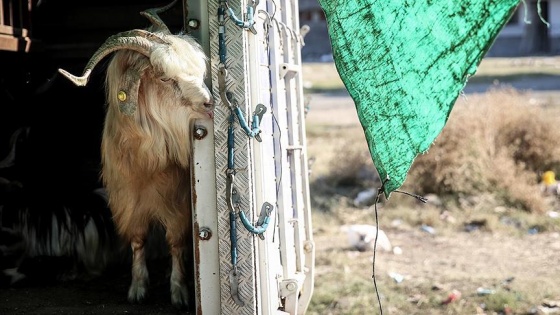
252, 211
253, 242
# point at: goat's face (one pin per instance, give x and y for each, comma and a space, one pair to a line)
171, 67
180, 68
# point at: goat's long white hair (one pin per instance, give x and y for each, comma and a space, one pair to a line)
146, 156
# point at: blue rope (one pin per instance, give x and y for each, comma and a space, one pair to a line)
222, 34
255, 125
239, 22
231, 144
254, 229
233, 238
244, 24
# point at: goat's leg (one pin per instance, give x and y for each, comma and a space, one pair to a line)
179, 290
177, 233
140, 279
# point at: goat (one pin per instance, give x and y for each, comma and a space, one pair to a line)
155, 91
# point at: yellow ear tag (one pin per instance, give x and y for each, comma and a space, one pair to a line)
121, 96
125, 107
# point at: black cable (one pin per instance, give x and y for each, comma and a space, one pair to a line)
379, 192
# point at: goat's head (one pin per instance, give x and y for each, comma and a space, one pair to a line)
172, 66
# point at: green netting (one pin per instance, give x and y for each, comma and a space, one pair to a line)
404, 63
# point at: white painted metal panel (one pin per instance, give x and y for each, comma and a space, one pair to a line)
275, 272
205, 224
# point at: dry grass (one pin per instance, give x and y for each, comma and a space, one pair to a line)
492, 152
493, 144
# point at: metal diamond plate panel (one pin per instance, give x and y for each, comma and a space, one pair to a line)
235, 39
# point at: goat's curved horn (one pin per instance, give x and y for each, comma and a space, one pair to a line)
138, 40
157, 22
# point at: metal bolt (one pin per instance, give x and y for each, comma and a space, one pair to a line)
200, 132
308, 247
205, 234
194, 24
291, 286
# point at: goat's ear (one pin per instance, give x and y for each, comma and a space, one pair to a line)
127, 95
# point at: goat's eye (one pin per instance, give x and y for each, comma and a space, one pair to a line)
165, 79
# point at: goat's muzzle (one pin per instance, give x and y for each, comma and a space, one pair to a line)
209, 106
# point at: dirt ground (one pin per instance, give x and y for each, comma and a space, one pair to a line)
436, 265
483, 257
103, 295
456, 262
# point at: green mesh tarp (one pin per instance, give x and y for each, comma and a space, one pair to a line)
404, 63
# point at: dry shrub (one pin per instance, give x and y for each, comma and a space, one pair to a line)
494, 143
533, 138
351, 164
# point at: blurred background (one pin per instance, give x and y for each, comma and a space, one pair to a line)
487, 241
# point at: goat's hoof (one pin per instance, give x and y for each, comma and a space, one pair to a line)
180, 297
137, 293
